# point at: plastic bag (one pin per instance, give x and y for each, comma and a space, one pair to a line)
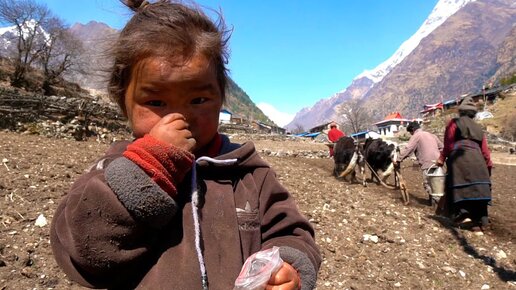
257, 270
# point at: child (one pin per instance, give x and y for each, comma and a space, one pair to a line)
180, 207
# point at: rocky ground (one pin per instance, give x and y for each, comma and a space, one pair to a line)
368, 239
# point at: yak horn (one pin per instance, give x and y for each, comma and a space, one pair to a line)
351, 165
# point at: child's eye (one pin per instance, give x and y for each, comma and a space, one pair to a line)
198, 101
155, 103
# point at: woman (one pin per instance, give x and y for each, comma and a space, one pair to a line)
468, 184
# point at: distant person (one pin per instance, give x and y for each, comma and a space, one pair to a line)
334, 134
180, 206
468, 161
426, 146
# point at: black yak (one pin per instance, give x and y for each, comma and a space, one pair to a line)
379, 155
346, 156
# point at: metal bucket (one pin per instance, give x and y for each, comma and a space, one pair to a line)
435, 176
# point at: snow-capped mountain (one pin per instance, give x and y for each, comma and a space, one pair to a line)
452, 53
458, 57
441, 12
9, 35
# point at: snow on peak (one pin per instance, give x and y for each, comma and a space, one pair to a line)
7, 29
442, 10
26, 30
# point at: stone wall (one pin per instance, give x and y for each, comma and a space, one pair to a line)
59, 116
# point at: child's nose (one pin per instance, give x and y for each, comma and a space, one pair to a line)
183, 110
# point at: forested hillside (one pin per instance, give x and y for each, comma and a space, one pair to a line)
239, 103
42, 54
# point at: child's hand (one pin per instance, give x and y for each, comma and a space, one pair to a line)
286, 278
173, 129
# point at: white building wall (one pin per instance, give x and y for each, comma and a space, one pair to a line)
388, 131
224, 118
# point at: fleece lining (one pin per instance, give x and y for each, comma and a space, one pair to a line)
302, 264
141, 196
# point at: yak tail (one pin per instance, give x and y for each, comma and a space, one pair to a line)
351, 165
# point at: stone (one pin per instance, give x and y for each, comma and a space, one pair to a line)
374, 239
41, 221
449, 269
501, 255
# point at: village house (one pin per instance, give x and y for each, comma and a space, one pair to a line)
224, 116
392, 124
237, 122
237, 119
450, 104
361, 136
266, 128
432, 110
278, 130
486, 96
323, 127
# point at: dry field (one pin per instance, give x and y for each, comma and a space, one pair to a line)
407, 247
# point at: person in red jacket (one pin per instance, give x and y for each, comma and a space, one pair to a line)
468, 162
334, 134
180, 206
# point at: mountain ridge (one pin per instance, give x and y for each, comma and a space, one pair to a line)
442, 11
402, 89
97, 38
459, 58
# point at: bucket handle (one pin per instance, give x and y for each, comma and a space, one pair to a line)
433, 166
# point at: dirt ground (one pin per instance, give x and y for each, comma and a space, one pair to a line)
368, 238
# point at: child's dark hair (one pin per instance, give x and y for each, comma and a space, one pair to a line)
168, 29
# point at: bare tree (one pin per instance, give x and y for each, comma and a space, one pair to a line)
355, 117
298, 128
27, 16
59, 53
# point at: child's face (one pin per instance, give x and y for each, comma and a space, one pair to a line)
159, 87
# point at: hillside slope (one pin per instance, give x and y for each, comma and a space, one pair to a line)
504, 121
458, 58
506, 58
239, 103
94, 63
473, 47
97, 37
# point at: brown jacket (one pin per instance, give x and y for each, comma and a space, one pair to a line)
117, 229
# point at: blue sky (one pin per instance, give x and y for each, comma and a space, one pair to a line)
290, 54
